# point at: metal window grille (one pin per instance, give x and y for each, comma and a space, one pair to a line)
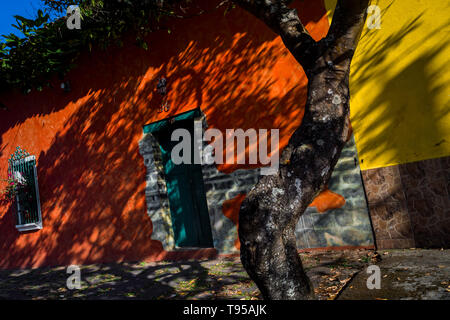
27, 199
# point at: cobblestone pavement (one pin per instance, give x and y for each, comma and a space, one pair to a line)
222, 278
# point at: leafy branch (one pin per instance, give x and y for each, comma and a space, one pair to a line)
49, 48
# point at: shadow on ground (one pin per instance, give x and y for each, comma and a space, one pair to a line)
405, 274
201, 279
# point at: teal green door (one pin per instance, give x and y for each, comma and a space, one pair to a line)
187, 200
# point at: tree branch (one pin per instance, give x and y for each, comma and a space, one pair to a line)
270, 212
285, 22
344, 33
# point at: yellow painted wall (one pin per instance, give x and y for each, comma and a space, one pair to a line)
400, 84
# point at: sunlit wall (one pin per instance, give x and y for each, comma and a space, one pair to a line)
400, 84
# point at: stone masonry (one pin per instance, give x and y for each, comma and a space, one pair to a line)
346, 226
156, 192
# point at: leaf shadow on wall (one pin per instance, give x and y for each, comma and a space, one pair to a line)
91, 175
406, 103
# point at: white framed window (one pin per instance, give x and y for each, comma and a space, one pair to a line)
28, 206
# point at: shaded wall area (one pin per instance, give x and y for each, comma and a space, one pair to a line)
410, 204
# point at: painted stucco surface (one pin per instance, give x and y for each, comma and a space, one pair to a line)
400, 84
91, 172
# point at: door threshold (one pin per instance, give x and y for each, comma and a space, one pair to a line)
190, 248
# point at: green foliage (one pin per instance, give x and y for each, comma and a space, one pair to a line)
49, 47
13, 188
15, 185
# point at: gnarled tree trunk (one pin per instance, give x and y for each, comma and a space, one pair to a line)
270, 212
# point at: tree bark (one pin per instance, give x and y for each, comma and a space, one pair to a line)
269, 214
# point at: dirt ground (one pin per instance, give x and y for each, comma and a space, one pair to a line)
334, 274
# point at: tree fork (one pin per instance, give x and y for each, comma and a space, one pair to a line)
269, 214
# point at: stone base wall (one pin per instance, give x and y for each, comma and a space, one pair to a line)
156, 192
220, 187
410, 204
346, 226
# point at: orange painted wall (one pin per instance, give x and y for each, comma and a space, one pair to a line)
91, 175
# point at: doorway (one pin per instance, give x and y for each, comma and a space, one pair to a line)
185, 189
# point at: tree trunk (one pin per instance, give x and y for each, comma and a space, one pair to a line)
269, 214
